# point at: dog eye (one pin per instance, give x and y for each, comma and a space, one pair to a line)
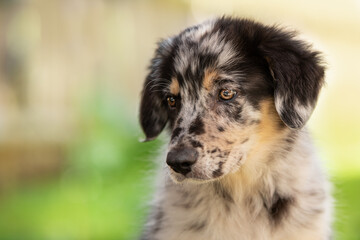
226, 94
171, 101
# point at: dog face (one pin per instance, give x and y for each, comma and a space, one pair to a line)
227, 88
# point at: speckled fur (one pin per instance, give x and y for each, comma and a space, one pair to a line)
257, 175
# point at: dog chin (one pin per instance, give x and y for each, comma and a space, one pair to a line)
181, 179
176, 177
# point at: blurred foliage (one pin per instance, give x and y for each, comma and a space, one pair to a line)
100, 192
347, 199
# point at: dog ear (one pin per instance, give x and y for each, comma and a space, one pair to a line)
297, 73
153, 108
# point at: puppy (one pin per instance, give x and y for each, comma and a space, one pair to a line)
235, 95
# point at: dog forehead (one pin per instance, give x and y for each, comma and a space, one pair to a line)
200, 48
208, 77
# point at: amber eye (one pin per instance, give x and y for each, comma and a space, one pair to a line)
226, 94
171, 101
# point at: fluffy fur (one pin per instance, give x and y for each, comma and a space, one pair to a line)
255, 174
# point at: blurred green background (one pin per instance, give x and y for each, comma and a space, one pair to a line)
71, 71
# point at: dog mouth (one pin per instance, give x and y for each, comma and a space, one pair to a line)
189, 177
192, 177
176, 177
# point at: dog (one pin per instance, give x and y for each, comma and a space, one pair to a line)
235, 95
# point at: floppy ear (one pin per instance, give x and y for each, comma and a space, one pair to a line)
153, 110
297, 74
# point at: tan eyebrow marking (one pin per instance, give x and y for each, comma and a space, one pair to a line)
174, 86
209, 77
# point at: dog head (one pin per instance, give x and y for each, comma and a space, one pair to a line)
225, 88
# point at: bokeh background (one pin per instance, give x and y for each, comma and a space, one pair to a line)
71, 71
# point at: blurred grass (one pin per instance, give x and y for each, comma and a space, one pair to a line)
99, 195
347, 199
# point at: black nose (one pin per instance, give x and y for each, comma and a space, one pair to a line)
181, 159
